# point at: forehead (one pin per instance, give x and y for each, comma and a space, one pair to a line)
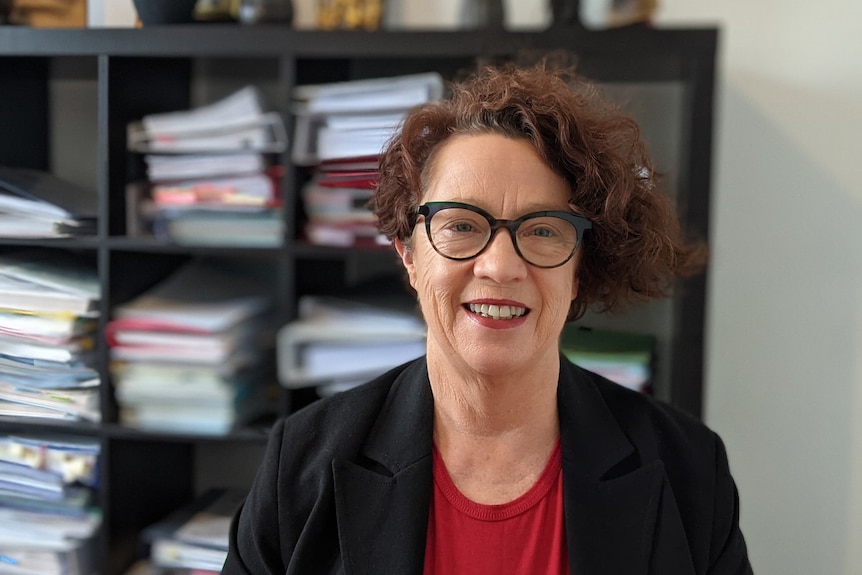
496, 173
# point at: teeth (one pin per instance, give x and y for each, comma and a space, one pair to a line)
497, 311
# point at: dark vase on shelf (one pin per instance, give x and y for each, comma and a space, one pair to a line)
158, 12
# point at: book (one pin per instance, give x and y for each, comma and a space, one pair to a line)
162, 167
73, 459
29, 372
53, 269
18, 559
48, 282
192, 346
262, 132
372, 94
47, 328
262, 228
357, 117
25, 296
35, 203
342, 339
78, 349
15, 475
199, 295
47, 516
258, 190
235, 122
80, 402
196, 535
333, 143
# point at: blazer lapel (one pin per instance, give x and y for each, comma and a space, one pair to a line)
382, 502
611, 498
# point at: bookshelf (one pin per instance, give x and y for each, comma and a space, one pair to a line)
68, 95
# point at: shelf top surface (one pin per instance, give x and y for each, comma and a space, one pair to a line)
272, 40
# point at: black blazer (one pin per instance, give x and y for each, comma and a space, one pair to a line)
345, 485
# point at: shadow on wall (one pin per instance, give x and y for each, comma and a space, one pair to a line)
784, 329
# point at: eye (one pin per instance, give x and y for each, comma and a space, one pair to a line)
540, 230
459, 222
463, 227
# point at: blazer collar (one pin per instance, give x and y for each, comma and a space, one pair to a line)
611, 496
382, 501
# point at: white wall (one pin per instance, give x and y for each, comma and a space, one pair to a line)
785, 306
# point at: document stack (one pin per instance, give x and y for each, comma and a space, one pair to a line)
193, 539
337, 344
624, 358
336, 203
48, 312
209, 178
354, 119
190, 354
48, 516
36, 204
341, 129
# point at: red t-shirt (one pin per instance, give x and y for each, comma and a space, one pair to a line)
522, 537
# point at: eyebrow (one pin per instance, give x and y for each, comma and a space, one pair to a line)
532, 208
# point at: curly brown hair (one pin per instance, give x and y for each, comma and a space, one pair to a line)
636, 247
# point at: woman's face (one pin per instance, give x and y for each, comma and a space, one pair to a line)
506, 178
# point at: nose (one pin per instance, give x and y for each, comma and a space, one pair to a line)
500, 260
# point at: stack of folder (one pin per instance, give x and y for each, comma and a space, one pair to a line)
337, 344
190, 354
209, 177
355, 118
336, 203
48, 518
194, 538
48, 312
341, 129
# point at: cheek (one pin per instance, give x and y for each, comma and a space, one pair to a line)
436, 285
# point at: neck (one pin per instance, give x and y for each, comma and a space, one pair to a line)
477, 405
494, 432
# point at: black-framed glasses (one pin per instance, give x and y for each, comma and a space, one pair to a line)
545, 239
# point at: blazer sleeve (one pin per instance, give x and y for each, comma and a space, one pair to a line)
255, 539
728, 552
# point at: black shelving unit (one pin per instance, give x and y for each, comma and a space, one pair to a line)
66, 97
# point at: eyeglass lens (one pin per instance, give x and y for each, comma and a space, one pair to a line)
542, 240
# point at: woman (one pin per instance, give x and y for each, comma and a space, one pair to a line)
514, 206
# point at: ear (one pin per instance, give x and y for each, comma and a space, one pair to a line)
575, 285
406, 254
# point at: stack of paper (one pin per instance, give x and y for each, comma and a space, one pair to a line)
336, 344
355, 118
236, 122
624, 358
36, 204
47, 513
195, 537
336, 203
210, 181
342, 128
48, 312
189, 355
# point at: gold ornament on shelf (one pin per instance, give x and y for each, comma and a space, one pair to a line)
349, 14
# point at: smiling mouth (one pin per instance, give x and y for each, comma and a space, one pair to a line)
497, 311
